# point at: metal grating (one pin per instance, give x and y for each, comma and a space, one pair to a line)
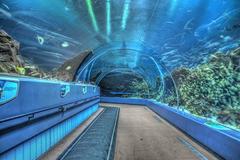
97, 142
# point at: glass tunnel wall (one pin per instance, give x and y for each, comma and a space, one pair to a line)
184, 53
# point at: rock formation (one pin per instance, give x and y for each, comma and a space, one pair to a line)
68, 70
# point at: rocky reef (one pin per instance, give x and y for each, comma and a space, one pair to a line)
68, 69
211, 90
12, 63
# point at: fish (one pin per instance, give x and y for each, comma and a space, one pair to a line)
236, 26
40, 40
187, 25
66, 8
65, 44
170, 52
5, 13
6, 6
169, 22
229, 47
232, 28
227, 38
211, 45
218, 25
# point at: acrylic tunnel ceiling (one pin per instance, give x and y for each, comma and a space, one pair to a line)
130, 39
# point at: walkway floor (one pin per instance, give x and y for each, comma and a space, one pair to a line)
142, 135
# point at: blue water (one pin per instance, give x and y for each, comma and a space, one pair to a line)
181, 32
140, 41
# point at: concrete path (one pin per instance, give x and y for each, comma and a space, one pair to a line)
142, 135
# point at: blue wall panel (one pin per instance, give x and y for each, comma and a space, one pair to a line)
40, 114
39, 144
133, 101
36, 94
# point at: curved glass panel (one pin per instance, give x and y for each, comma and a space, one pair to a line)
180, 52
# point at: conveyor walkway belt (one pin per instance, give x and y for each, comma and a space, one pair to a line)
97, 141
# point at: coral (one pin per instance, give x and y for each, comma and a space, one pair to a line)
9, 57
140, 89
211, 89
177, 76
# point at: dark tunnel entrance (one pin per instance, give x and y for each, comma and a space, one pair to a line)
121, 84
129, 70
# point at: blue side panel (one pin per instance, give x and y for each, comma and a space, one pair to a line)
224, 142
30, 107
36, 94
133, 101
38, 145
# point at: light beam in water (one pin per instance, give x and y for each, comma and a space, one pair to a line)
173, 6
125, 14
92, 15
108, 14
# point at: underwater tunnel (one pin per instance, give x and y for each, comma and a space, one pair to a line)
120, 79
